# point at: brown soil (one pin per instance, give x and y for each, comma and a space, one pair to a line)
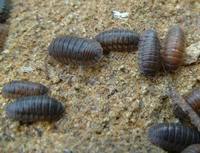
108, 108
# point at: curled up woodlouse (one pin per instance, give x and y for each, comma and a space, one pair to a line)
195, 148
149, 53
81, 51
118, 40
16, 89
35, 108
173, 49
173, 137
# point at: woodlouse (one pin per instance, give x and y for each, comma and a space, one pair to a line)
173, 49
183, 110
149, 53
173, 136
195, 148
193, 99
4, 10
118, 40
35, 108
81, 51
16, 89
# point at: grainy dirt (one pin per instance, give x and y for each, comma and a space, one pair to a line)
108, 108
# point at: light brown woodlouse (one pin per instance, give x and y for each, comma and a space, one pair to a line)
19, 88
118, 40
173, 49
71, 49
149, 53
35, 108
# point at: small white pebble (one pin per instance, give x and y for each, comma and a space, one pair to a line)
192, 53
120, 15
26, 69
66, 2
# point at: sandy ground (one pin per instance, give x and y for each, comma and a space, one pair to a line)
108, 108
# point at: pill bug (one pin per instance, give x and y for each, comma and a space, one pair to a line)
118, 40
149, 53
4, 10
35, 108
173, 137
19, 88
195, 148
173, 49
70, 49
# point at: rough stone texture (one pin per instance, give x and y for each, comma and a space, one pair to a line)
192, 53
108, 108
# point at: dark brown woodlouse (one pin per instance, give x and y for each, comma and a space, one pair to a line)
71, 49
16, 89
186, 111
149, 56
195, 148
173, 49
182, 109
118, 40
35, 108
173, 137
